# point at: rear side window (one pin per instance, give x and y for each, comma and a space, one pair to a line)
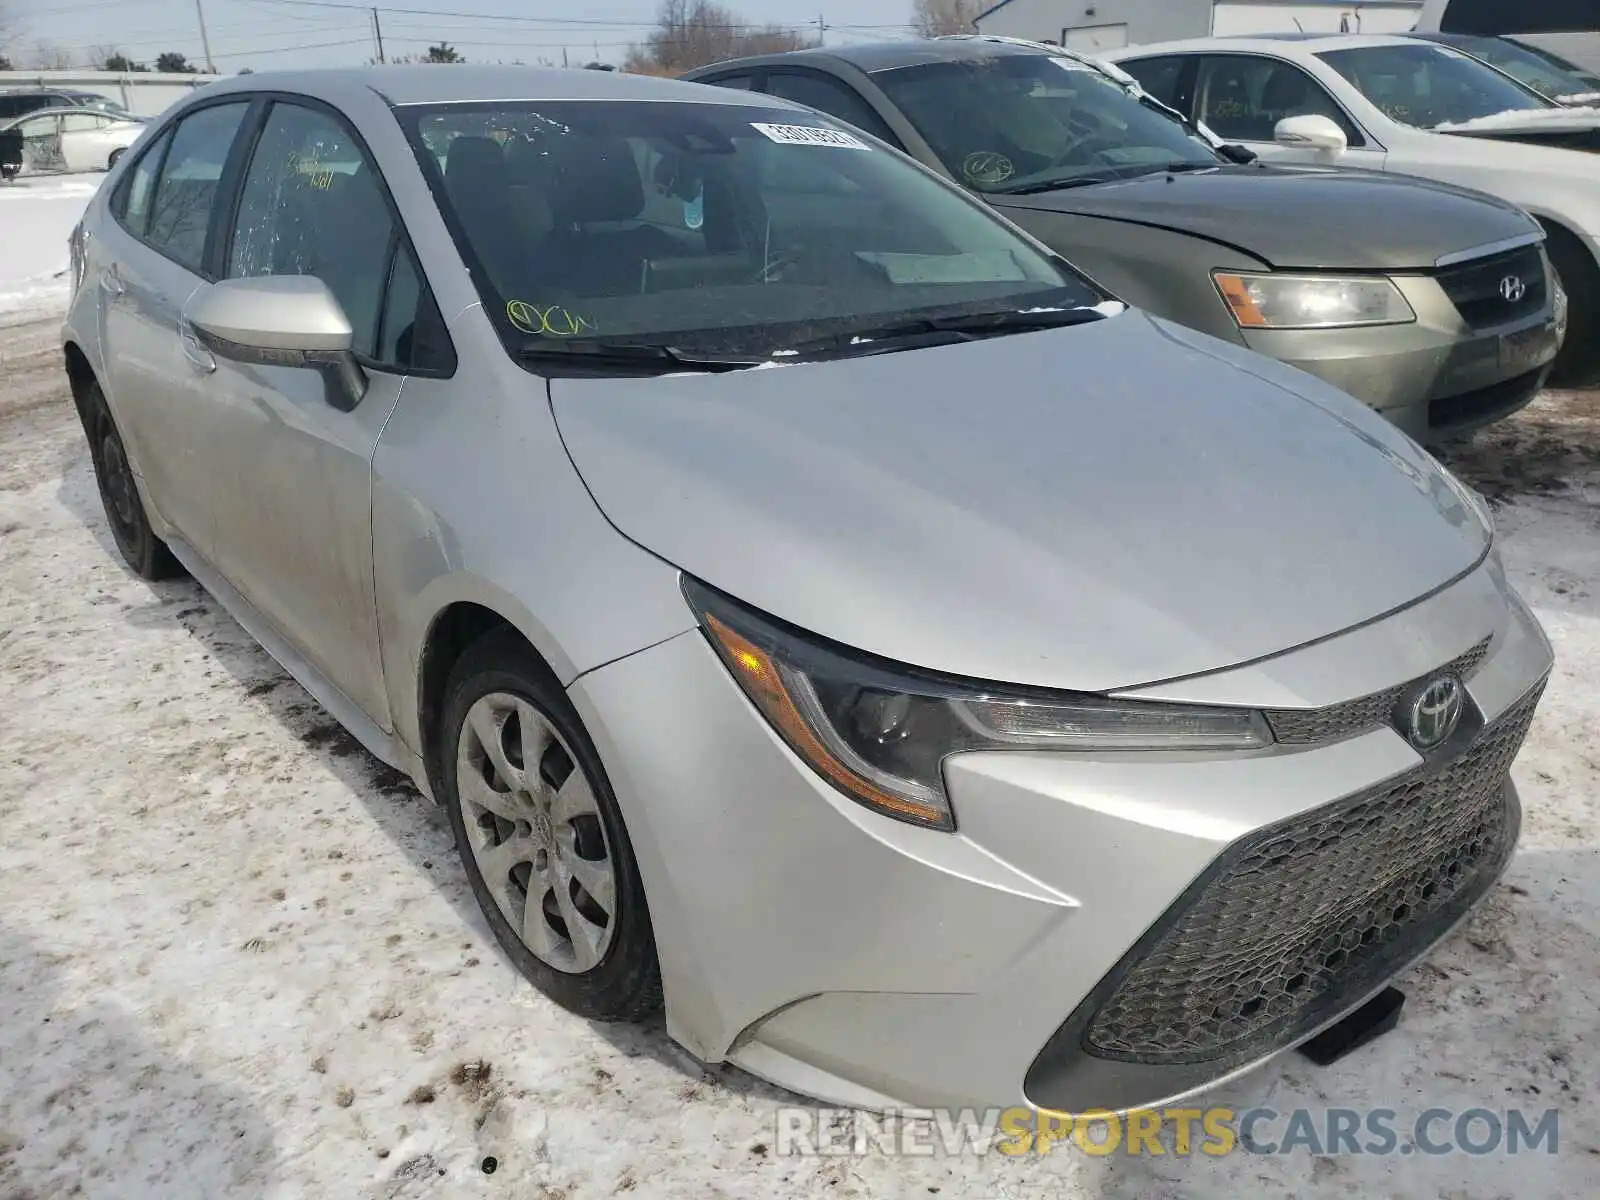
186, 190
131, 204
1158, 76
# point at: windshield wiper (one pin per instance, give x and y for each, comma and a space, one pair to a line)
961, 327
570, 358
1054, 185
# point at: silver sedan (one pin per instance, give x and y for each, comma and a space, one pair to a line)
818, 607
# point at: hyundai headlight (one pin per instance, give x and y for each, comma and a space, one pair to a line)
880, 732
1312, 301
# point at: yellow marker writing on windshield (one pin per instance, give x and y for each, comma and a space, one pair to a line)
554, 321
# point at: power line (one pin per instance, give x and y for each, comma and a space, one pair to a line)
360, 41
437, 12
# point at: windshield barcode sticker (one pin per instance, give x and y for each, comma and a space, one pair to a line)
810, 135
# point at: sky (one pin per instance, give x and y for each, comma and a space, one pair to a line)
268, 34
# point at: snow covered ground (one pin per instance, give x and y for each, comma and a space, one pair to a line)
37, 212
238, 957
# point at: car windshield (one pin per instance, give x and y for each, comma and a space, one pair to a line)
1011, 122
1428, 86
719, 229
1544, 73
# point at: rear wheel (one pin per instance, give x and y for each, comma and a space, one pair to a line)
112, 161
145, 553
1578, 364
541, 836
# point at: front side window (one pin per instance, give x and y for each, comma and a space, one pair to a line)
1243, 97
1031, 122
702, 226
186, 192
312, 205
1428, 86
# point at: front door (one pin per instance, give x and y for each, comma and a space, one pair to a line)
155, 252
293, 503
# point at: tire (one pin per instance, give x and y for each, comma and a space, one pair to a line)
146, 554
1578, 364
502, 704
112, 161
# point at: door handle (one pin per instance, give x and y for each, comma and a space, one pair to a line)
199, 357
111, 282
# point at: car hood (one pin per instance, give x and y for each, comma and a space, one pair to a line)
1312, 218
1089, 508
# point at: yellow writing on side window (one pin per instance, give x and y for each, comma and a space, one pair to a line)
554, 321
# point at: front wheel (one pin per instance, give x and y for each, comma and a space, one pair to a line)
541, 836
1578, 363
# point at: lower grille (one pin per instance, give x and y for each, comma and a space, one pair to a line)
1475, 287
1485, 403
1298, 922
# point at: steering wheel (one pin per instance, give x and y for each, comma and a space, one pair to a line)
1092, 146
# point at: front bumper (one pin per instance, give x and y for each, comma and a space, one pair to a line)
1436, 378
866, 962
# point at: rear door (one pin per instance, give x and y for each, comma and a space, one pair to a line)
294, 497
154, 258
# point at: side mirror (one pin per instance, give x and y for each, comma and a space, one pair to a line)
282, 321
1312, 132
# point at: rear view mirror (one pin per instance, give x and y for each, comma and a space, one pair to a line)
281, 321
1312, 132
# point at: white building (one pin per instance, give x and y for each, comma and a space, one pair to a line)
1091, 25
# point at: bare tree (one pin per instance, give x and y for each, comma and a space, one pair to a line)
936, 18
48, 56
692, 33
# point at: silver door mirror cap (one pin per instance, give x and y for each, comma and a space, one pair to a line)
1313, 131
273, 312
282, 321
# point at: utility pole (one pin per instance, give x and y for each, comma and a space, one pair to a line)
377, 30
205, 38
822, 28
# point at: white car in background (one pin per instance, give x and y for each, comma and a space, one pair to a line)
74, 139
1414, 107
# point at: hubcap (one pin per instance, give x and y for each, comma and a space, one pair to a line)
536, 834
119, 481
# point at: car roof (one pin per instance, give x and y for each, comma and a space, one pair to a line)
466, 84
56, 110
1294, 44
881, 56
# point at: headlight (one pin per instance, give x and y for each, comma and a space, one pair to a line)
1311, 301
880, 732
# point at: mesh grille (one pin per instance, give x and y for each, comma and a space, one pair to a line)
1474, 287
1298, 922
1306, 726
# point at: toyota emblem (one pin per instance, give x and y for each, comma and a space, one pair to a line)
1513, 289
1435, 712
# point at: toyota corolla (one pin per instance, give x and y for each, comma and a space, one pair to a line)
819, 609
